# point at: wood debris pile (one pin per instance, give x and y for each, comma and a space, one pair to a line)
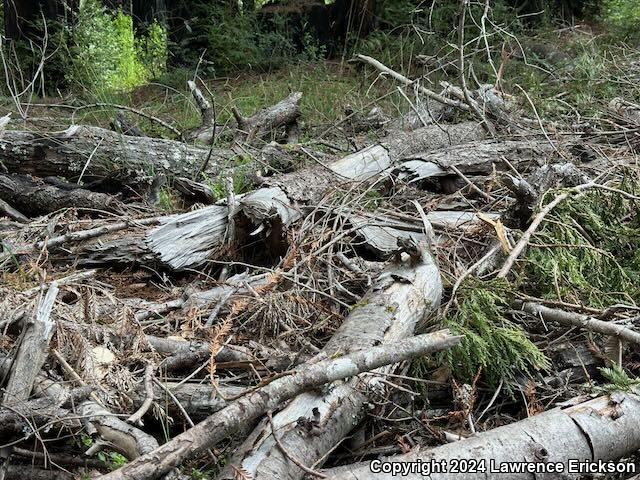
437, 287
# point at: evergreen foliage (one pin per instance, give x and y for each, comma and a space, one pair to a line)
587, 250
492, 343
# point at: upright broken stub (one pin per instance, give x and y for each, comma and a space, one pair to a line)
281, 116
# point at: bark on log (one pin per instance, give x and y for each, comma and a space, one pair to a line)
260, 126
101, 154
188, 240
602, 429
474, 158
249, 407
35, 197
401, 296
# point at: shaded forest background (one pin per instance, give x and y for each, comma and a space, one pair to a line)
119, 44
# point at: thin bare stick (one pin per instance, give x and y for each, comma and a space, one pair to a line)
148, 400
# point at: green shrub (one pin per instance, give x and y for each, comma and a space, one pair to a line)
623, 15
105, 55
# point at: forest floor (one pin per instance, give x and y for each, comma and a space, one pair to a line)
481, 245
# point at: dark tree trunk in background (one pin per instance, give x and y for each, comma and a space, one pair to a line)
21, 15
146, 11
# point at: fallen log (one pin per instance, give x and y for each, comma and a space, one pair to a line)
269, 397
551, 443
474, 158
35, 197
189, 239
581, 321
95, 154
402, 295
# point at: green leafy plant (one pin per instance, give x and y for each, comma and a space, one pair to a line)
104, 53
623, 15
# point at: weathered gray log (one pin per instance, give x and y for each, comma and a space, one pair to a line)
198, 400
474, 158
131, 441
18, 422
189, 239
35, 197
399, 298
271, 396
96, 153
260, 126
603, 429
32, 352
12, 213
581, 321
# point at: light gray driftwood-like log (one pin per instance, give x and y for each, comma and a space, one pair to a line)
603, 429
474, 158
188, 240
35, 197
218, 426
400, 297
101, 153
131, 441
32, 352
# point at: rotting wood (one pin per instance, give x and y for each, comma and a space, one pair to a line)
98, 154
32, 352
35, 197
262, 124
187, 240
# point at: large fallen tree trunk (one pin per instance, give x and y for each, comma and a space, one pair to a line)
189, 239
401, 296
547, 445
271, 396
95, 154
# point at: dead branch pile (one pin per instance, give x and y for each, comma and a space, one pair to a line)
388, 302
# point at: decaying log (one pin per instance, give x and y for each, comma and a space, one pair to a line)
32, 352
603, 429
189, 239
261, 125
402, 295
21, 420
198, 400
269, 397
35, 197
131, 441
96, 154
474, 158
12, 213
